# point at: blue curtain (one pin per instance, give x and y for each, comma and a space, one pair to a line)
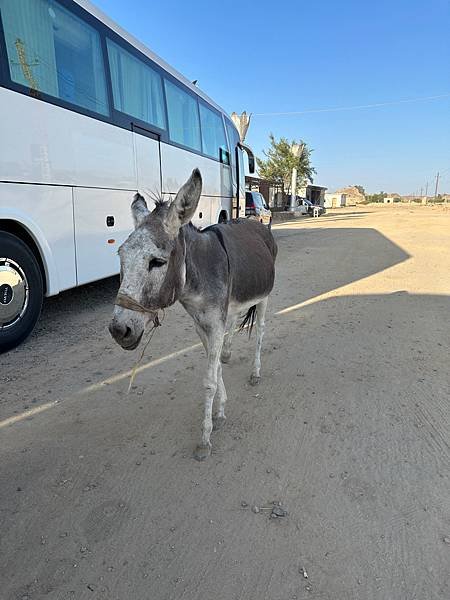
137, 88
29, 43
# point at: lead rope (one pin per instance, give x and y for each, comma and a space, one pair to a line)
128, 302
156, 323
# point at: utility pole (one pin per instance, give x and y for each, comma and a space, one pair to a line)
297, 151
426, 190
421, 192
436, 188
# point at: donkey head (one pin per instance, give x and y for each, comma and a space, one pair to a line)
152, 266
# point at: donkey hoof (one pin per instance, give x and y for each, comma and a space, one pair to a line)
254, 379
202, 452
218, 422
225, 357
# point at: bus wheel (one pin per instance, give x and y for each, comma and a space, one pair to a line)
21, 291
223, 217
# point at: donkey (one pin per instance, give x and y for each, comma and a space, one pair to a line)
217, 274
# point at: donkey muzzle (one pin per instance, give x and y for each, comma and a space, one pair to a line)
124, 333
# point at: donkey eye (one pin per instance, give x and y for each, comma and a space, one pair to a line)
156, 262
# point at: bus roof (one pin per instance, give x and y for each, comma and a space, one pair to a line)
101, 16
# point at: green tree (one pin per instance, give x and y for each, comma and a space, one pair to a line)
279, 162
376, 197
360, 189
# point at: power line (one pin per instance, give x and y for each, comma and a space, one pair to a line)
356, 107
443, 172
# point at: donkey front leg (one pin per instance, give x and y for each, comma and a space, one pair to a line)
255, 377
212, 338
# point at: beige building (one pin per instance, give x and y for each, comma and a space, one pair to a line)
335, 200
353, 195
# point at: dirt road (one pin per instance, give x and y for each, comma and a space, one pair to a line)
349, 430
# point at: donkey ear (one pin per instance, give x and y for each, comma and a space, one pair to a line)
139, 210
185, 204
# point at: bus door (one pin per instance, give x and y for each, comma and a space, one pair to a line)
125, 161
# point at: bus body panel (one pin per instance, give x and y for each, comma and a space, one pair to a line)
103, 154
202, 217
177, 165
103, 216
46, 212
96, 242
50, 144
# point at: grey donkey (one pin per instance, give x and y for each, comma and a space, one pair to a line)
219, 274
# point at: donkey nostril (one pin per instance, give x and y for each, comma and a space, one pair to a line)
119, 331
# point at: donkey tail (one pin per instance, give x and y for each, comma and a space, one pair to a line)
249, 320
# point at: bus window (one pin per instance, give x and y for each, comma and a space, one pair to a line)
233, 139
50, 50
137, 88
213, 135
182, 112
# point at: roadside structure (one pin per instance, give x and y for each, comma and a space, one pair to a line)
313, 193
275, 197
335, 200
353, 195
254, 183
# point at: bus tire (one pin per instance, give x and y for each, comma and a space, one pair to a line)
21, 291
223, 217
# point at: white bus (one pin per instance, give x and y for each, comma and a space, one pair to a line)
89, 115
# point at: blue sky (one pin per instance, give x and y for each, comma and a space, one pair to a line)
287, 56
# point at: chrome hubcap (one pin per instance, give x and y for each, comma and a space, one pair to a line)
13, 293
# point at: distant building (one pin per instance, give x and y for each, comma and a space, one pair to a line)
335, 200
275, 197
313, 193
353, 195
256, 184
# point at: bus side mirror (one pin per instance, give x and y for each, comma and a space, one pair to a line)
251, 157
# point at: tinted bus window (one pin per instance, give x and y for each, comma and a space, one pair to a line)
233, 138
182, 113
213, 133
137, 88
50, 50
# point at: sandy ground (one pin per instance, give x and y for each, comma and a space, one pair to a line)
348, 430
